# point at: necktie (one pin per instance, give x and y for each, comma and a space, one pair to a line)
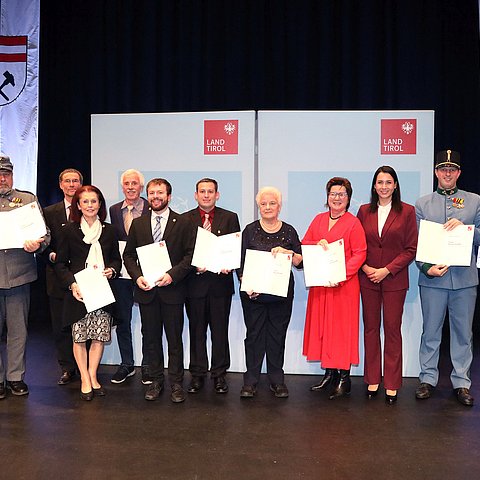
127, 221
157, 233
206, 223
69, 211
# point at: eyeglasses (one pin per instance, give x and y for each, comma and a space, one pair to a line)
338, 194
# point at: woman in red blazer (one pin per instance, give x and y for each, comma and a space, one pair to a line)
391, 231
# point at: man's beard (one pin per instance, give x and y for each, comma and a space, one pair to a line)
4, 189
163, 205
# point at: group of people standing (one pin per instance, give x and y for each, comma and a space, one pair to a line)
379, 243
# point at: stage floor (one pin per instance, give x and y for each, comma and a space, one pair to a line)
53, 434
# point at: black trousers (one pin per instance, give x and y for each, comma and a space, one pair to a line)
62, 335
157, 316
267, 325
213, 312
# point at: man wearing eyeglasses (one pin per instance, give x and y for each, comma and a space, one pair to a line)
445, 287
56, 216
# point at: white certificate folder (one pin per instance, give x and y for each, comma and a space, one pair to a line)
264, 273
217, 253
441, 247
95, 289
154, 261
324, 267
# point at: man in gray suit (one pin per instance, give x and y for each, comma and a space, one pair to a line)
17, 270
445, 287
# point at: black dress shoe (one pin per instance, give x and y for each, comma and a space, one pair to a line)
424, 391
153, 390
390, 399
464, 397
279, 389
220, 384
3, 391
248, 391
178, 393
371, 393
18, 388
66, 377
196, 385
329, 377
88, 397
98, 392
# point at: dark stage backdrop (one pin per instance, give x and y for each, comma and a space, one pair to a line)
107, 56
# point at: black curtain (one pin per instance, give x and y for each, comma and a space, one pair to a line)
107, 56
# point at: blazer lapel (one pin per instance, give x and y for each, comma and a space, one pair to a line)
390, 219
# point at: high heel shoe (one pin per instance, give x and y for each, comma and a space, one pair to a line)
390, 399
329, 377
371, 393
98, 392
86, 396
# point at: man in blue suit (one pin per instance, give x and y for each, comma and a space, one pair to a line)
445, 287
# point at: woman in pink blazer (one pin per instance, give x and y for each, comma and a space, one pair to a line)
391, 231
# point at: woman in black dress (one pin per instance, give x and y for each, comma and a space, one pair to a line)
87, 242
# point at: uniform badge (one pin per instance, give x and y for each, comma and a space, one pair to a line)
458, 202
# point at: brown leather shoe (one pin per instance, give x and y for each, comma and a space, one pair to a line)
464, 397
178, 393
66, 377
424, 391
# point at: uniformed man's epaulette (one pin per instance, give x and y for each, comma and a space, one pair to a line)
24, 191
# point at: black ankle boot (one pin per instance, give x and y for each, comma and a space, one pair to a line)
329, 377
342, 386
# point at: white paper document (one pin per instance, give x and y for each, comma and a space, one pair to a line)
439, 247
324, 267
264, 273
95, 289
123, 271
154, 261
217, 253
20, 224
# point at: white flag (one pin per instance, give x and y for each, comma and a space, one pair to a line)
19, 55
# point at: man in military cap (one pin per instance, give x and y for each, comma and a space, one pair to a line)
445, 287
17, 270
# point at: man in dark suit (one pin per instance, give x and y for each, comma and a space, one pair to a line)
56, 216
161, 302
209, 295
122, 215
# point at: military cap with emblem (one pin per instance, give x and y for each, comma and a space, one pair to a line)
447, 158
5, 163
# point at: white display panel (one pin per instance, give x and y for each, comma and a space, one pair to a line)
299, 151
173, 146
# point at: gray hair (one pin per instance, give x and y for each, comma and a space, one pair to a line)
269, 190
132, 171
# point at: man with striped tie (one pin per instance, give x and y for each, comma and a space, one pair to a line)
209, 295
161, 303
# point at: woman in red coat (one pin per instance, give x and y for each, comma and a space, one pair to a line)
391, 230
331, 324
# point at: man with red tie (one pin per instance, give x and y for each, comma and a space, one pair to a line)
209, 295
